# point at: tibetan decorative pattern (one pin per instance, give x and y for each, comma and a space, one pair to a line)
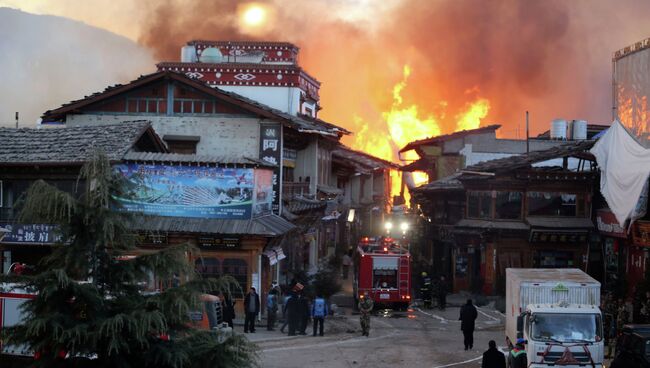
244, 76
194, 75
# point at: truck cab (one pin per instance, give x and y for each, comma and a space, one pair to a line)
562, 334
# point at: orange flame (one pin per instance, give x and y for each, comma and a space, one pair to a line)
403, 125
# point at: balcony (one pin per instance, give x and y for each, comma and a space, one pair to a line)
294, 189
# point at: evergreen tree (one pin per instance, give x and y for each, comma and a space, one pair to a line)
90, 309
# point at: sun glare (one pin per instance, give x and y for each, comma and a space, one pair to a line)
254, 15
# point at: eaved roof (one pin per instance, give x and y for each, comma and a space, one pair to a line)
57, 146
301, 124
362, 160
267, 225
446, 137
576, 149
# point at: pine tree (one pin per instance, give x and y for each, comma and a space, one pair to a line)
90, 309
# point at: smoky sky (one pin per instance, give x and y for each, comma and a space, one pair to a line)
552, 58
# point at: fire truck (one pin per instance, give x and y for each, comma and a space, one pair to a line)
383, 272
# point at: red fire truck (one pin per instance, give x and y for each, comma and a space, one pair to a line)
383, 272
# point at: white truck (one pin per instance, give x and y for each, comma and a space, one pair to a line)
557, 312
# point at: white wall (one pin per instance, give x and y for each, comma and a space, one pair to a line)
286, 99
307, 165
224, 137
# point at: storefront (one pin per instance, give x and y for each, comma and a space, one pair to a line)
638, 254
615, 244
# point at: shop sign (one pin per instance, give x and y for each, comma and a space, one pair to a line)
641, 233
30, 234
608, 225
271, 152
546, 236
219, 243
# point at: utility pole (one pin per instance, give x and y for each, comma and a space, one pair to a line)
527, 135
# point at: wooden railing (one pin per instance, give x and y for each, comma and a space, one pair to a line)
294, 189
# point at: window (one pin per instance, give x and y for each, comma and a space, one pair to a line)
553, 204
287, 174
237, 268
185, 144
508, 205
478, 204
208, 267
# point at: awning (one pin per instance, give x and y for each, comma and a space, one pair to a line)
492, 224
560, 222
268, 225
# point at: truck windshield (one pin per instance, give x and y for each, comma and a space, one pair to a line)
565, 327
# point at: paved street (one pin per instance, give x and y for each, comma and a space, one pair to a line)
422, 338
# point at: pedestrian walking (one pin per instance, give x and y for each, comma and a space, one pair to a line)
293, 314
517, 357
346, 262
303, 312
271, 309
365, 307
493, 358
319, 311
285, 316
251, 308
468, 315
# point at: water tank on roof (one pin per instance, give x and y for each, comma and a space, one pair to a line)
558, 129
579, 130
211, 55
188, 54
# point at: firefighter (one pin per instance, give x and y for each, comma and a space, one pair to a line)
365, 306
517, 357
425, 290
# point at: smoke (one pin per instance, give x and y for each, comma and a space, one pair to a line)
48, 61
552, 58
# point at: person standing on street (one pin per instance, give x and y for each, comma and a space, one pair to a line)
493, 358
228, 309
468, 315
303, 312
318, 312
271, 309
251, 308
517, 357
425, 290
285, 315
365, 307
293, 314
346, 262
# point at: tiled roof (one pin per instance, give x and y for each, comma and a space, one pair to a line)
578, 148
68, 145
447, 137
365, 159
268, 225
561, 222
304, 125
491, 224
450, 182
192, 158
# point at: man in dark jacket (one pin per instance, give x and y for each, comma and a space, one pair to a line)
493, 358
293, 313
517, 357
303, 312
467, 317
251, 308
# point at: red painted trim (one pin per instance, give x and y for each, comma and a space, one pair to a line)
17, 296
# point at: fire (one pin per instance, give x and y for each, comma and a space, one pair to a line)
403, 124
471, 118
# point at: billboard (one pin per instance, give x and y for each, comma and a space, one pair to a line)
632, 90
193, 191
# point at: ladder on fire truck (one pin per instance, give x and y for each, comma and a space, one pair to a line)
403, 276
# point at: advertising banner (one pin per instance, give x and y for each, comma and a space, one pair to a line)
182, 191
